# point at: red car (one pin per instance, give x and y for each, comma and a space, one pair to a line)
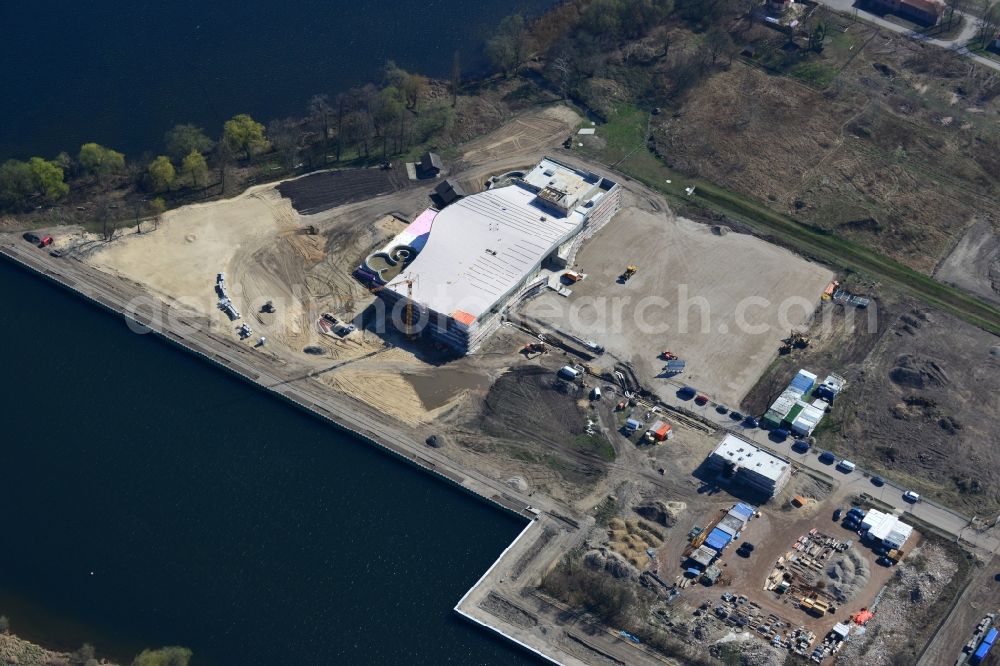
701, 399
45, 242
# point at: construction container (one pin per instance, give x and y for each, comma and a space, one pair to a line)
660, 432
568, 372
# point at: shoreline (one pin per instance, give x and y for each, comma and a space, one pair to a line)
86, 282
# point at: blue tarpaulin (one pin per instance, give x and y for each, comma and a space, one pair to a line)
744, 510
718, 539
692, 572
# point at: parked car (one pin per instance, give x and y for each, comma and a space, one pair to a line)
736, 416
911, 497
858, 513
846, 466
780, 434
878, 481
837, 513
32, 238
722, 409
686, 393
701, 400
827, 458
800, 445
751, 422
884, 561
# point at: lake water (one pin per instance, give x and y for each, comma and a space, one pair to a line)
123, 73
150, 499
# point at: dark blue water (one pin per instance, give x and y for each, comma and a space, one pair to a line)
123, 73
148, 498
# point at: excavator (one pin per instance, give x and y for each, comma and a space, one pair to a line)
794, 341
537, 348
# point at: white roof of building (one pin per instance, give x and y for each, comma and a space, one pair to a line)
481, 247
748, 456
562, 186
786, 401
886, 527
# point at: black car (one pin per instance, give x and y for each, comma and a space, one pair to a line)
32, 238
722, 409
686, 393
827, 458
751, 422
800, 445
736, 416
837, 513
878, 481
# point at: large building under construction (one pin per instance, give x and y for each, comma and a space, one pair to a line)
460, 267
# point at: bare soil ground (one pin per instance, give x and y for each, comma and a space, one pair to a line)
720, 302
318, 192
897, 153
922, 410
974, 264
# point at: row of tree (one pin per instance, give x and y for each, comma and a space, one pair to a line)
369, 120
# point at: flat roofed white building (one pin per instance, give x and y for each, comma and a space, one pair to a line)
483, 250
748, 464
887, 528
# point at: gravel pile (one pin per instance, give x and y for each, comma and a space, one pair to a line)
919, 581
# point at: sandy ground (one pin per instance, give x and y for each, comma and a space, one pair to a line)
974, 264
180, 259
726, 279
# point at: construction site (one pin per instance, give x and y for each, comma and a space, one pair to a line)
558, 341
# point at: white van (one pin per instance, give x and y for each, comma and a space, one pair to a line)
846, 466
911, 496
596, 393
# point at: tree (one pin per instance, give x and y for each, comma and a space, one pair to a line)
168, 656
182, 139
194, 168
508, 48
817, 37
285, 139
320, 111
47, 178
100, 161
989, 24
17, 183
953, 6
157, 206
161, 174
84, 656
414, 85
456, 77
718, 42
244, 134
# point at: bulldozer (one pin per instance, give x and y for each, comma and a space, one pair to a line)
629, 272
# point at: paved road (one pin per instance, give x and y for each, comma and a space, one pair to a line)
944, 519
956, 44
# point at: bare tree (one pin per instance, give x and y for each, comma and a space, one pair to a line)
953, 6
320, 111
284, 136
456, 77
